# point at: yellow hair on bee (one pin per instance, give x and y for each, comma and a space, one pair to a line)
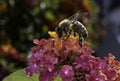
54, 35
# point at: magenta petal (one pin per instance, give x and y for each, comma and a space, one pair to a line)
67, 73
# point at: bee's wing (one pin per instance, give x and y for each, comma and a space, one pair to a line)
79, 15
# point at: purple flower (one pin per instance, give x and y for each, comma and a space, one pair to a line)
46, 75
96, 75
39, 44
49, 62
104, 70
66, 73
66, 59
83, 59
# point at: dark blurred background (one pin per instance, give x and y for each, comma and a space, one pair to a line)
110, 14
21, 21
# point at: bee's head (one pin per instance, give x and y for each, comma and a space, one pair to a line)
59, 32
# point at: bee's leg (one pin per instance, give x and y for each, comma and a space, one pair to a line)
80, 40
68, 35
65, 35
53, 42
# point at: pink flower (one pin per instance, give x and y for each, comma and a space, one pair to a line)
66, 59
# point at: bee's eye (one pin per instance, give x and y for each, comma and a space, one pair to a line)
59, 32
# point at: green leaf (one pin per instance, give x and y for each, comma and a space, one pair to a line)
21, 76
58, 78
73, 56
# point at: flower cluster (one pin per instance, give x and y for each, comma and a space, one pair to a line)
55, 57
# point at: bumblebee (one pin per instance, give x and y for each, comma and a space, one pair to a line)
72, 25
